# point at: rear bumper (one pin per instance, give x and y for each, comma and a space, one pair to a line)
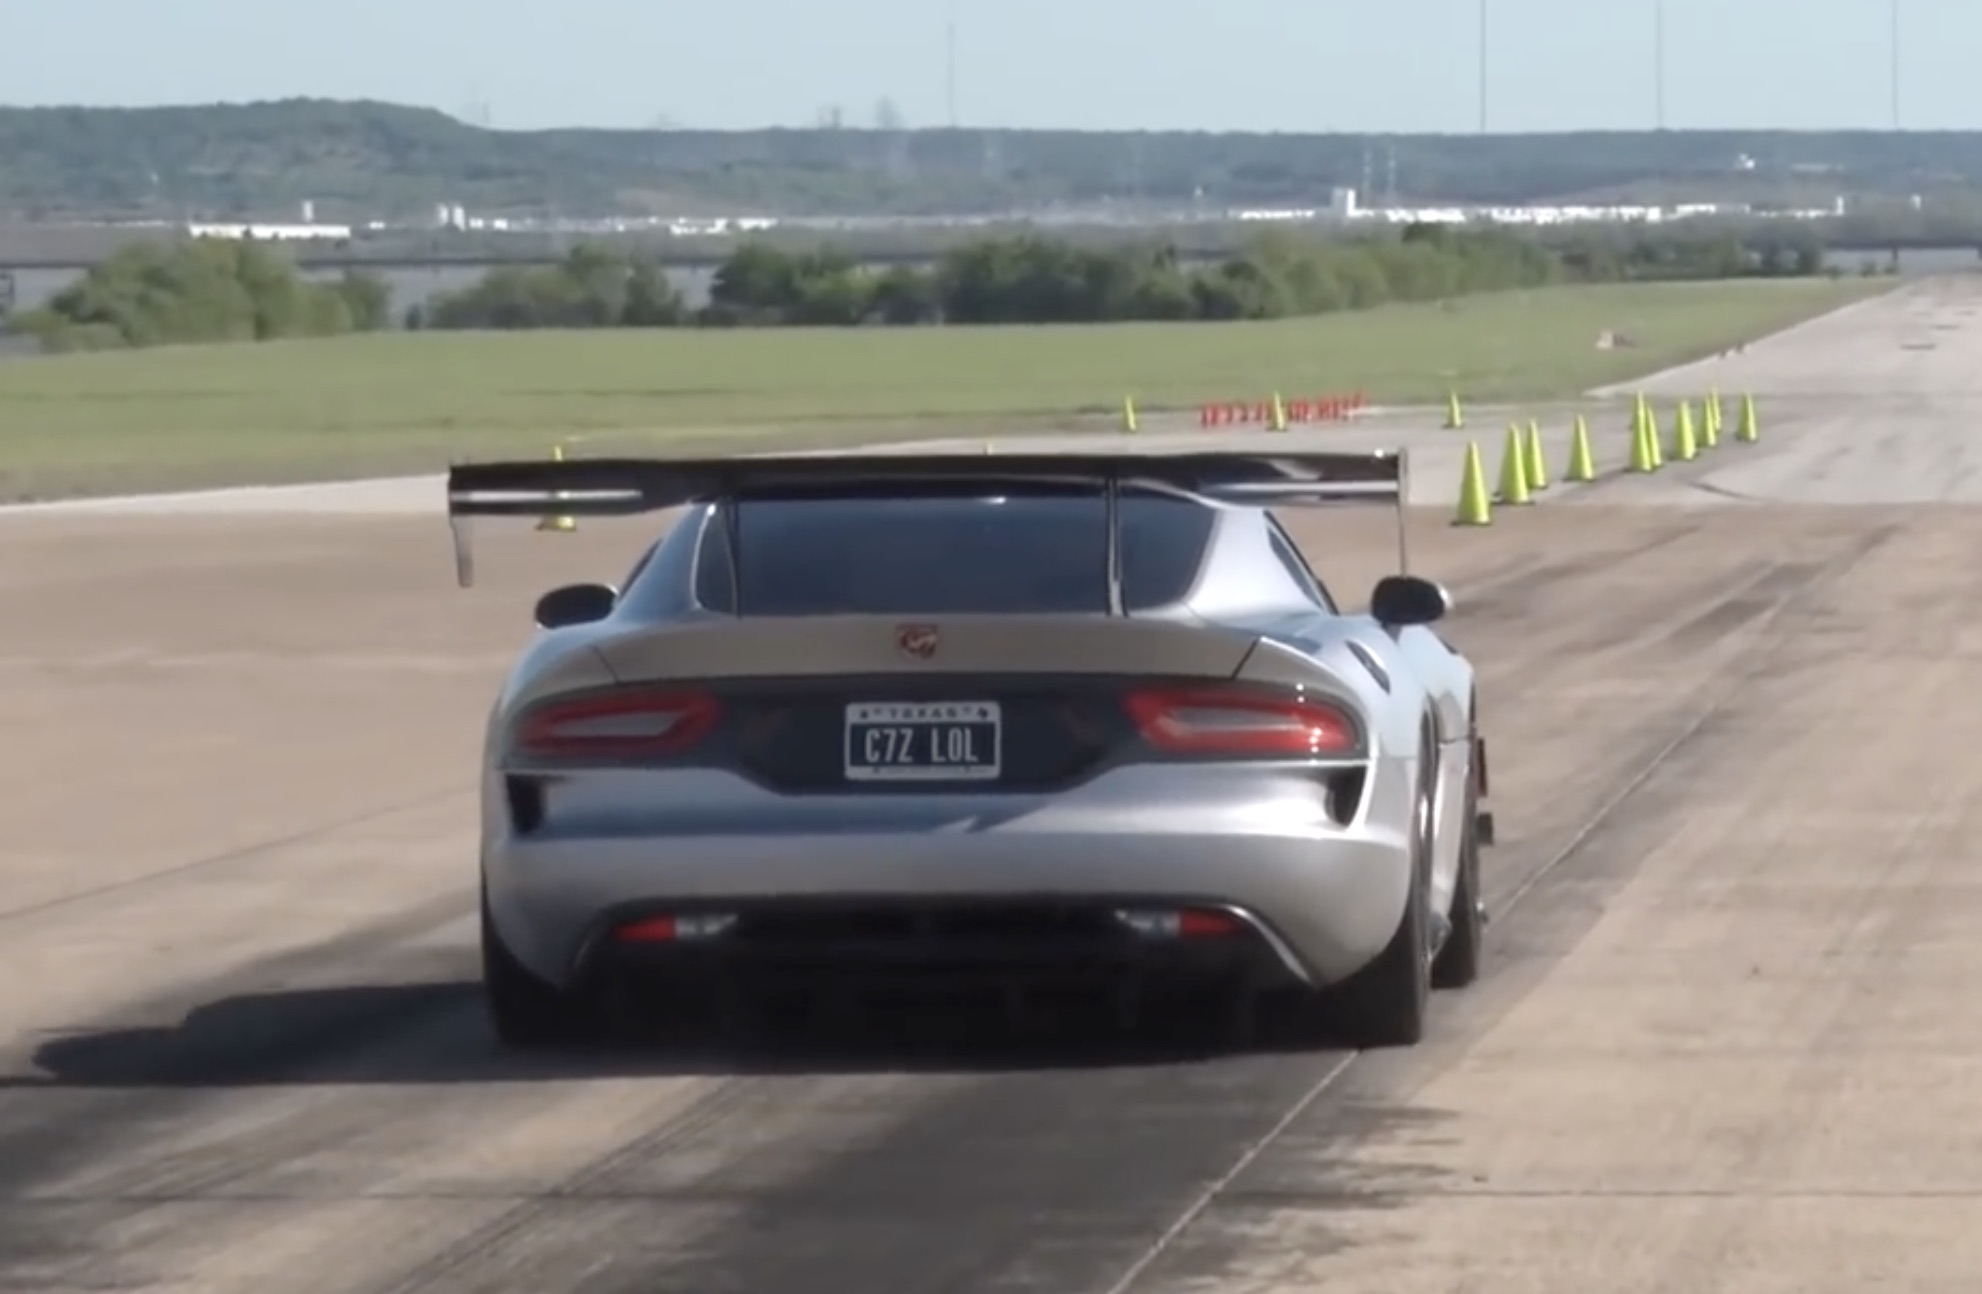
1320, 906
1324, 894
909, 945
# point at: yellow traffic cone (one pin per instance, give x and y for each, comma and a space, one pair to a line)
1684, 447
1474, 507
561, 524
1455, 417
1749, 431
1128, 413
1644, 448
1537, 461
1582, 463
1278, 414
1654, 438
1710, 423
1514, 470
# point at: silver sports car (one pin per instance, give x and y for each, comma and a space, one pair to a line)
1011, 720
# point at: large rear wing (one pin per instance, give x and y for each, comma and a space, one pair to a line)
619, 487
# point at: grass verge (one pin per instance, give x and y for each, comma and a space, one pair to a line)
180, 417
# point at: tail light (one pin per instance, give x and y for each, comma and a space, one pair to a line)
1241, 722
627, 723
1207, 923
1181, 923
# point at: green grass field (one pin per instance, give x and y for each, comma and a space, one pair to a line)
381, 403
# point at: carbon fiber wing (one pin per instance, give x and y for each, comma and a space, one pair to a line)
619, 487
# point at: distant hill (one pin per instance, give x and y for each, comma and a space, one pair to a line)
359, 160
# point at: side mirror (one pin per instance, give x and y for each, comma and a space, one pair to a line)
1400, 600
575, 604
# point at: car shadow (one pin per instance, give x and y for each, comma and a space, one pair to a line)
436, 1033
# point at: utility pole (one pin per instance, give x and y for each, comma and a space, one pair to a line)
1658, 63
1483, 67
1895, 67
950, 65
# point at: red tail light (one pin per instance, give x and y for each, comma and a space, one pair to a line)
1233, 721
654, 930
1206, 923
627, 723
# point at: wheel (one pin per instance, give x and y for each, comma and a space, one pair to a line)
1458, 960
1385, 1003
526, 1013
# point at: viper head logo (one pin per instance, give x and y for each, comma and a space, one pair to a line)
917, 642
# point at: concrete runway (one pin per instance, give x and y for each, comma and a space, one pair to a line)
1723, 1042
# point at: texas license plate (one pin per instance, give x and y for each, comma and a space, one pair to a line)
923, 741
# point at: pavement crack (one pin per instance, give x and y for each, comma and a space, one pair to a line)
1714, 701
242, 853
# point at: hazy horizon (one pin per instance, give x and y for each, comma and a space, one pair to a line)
1251, 65
468, 119
857, 124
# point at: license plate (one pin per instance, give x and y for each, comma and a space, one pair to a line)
923, 741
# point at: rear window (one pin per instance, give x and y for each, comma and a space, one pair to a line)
951, 555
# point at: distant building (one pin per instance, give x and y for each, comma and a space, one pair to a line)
263, 232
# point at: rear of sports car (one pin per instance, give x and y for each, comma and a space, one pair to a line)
910, 760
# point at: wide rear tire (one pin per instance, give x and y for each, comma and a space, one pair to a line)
525, 1013
1458, 960
1385, 1004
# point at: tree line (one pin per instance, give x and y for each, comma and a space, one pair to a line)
361, 160
1028, 279
1874, 227
211, 291
204, 290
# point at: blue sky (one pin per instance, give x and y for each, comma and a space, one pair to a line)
1403, 65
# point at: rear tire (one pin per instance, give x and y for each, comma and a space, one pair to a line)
1458, 960
1385, 1004
526, 1013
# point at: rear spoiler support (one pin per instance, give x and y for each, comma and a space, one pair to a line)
622, 487
1112, 501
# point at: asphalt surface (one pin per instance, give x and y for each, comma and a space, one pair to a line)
1722, 1044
